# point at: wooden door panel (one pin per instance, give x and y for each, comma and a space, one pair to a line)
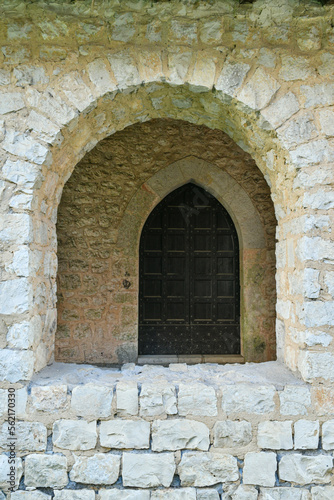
189, 277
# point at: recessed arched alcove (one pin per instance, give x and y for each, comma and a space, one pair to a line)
103, 209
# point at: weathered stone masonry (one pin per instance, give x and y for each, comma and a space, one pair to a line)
75, 74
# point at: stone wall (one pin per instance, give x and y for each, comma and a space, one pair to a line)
97, 315
190, 433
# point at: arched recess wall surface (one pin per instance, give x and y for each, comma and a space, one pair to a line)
49, 125
97, 218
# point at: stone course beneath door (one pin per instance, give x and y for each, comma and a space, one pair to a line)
238, 432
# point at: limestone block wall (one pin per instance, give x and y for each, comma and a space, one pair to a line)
170, 433
102, 202
73, 74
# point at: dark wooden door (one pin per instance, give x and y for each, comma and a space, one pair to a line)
189, 292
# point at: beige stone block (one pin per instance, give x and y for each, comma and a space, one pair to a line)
197, 399
230, 434
260, 468
74, 434
275, 435
92, 401
171, 435
45, 471
148, 470
101, 468
50, 398
304, 469
206, 469
125, 434
127, 398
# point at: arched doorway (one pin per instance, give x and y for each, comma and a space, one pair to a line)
189, 291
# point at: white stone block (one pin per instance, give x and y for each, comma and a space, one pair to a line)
294, 68
29, 436
74, 495
127, 398
315, 248
275, 435
148, 470
259, 90
322, 492
10, 101
314, 365
16, 365
45, 471
29, 75
46, 129
306, 435
15, 296
283, 493
281, 109
175, 494
76, 90
295, 400
125, 434
328, 435
320, 200
320, 94
157, 399
197, 399
6, 468
74, 434
329, 282
207, 494
206, 469
178, 64
115, 494
311, 153
326, 117
229, 434
247, 398
318, 314
100, 76
29, 495
52, 105
21, 335
232, 77
260, 468
50, 398
124, 69
92, 401
303, 469
244, 492
24, 145
171, 435
21, 397
101, 468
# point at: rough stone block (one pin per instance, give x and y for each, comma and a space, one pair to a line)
52, 105
100, 76
321, 94
176, 494
303, 469
178, 64
311, 153
127, 398
244, 492
10, 101
306, 435
314, 365
74, 434
45, 471
197, 399
232, 77
328, 435
206, 469
157, 399
24, 145
284, 493
294, 68
243, 398
29, 495
275, 435
50, 398
74, 495
281, 109
92, 401
148, 470
30, 436
259, 90
326, 117
322, 493
124, 69
101, 468
207, 494
5, 470
260, 468
171, 435
115, 494
16, 365
21, 397
15, 296
76, 90
229, 434
125, 434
